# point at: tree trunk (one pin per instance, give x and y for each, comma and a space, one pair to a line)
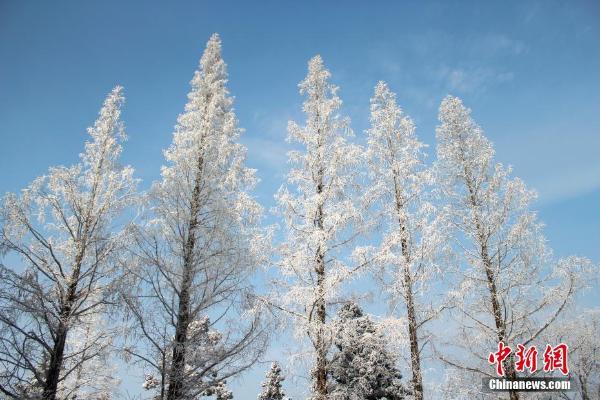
60, 340
583, 386
415, 357
320, 372
508, 363
176, 375
55, 365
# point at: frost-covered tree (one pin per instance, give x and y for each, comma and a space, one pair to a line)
321, 217
271, 387
509, 290
92, 378
195, 252
219, 391
580, 330
413, 235
362, 368
65, 228
583, 338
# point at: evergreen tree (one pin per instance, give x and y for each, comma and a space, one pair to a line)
362, 368
271, 387
219, 391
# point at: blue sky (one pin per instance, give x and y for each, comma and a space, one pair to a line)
530, 70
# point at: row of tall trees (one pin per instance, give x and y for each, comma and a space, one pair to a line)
162, 278
462, 227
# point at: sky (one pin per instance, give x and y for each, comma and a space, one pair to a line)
530, 71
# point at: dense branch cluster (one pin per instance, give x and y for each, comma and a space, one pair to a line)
96, 273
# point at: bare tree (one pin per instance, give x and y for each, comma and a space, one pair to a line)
63, 227
193, 327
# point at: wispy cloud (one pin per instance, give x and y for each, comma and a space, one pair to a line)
491, 45
265, 140
558, 165
267, 153
563, 184
435, 61
472, 79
